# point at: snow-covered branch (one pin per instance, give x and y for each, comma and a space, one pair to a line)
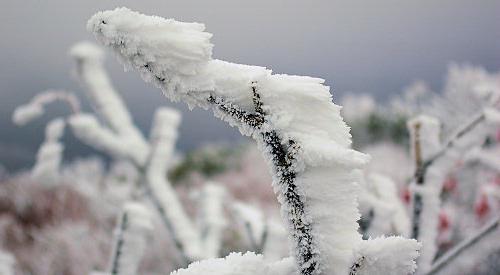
49, 156
487, 233
104, 98
211, 218
36, 107
379, 201
308, 152
162, 194
130, 239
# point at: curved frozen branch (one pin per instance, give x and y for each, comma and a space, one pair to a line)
36, 107
308, 151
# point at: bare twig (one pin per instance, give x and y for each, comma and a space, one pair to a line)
451, 255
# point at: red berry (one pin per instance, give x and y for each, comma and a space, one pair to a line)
444, 221
450, 184
482, 207
406, 195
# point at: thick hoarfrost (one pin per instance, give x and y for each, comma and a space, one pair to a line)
293, 119
238, 264
391, 255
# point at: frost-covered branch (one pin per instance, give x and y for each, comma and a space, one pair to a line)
385, 212
308, 152
254, 224
104, 98
211, 218
36, 107
163, 136
49, 156
426, 203
130, 239
463, 247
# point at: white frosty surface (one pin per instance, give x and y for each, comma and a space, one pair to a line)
238, 264
391, 255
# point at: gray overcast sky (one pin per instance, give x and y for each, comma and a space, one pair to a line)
373, 47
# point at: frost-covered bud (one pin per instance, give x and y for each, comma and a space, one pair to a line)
26, 113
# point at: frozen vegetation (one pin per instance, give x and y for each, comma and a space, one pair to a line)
412, 188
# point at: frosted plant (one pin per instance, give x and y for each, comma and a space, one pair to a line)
112, 131
433, 160
49, 155
193, 243
130, 239
424, 133
263, 234
118, 136
121, 138
238, 264
308, 151
254, 223
380, 203
470, 251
